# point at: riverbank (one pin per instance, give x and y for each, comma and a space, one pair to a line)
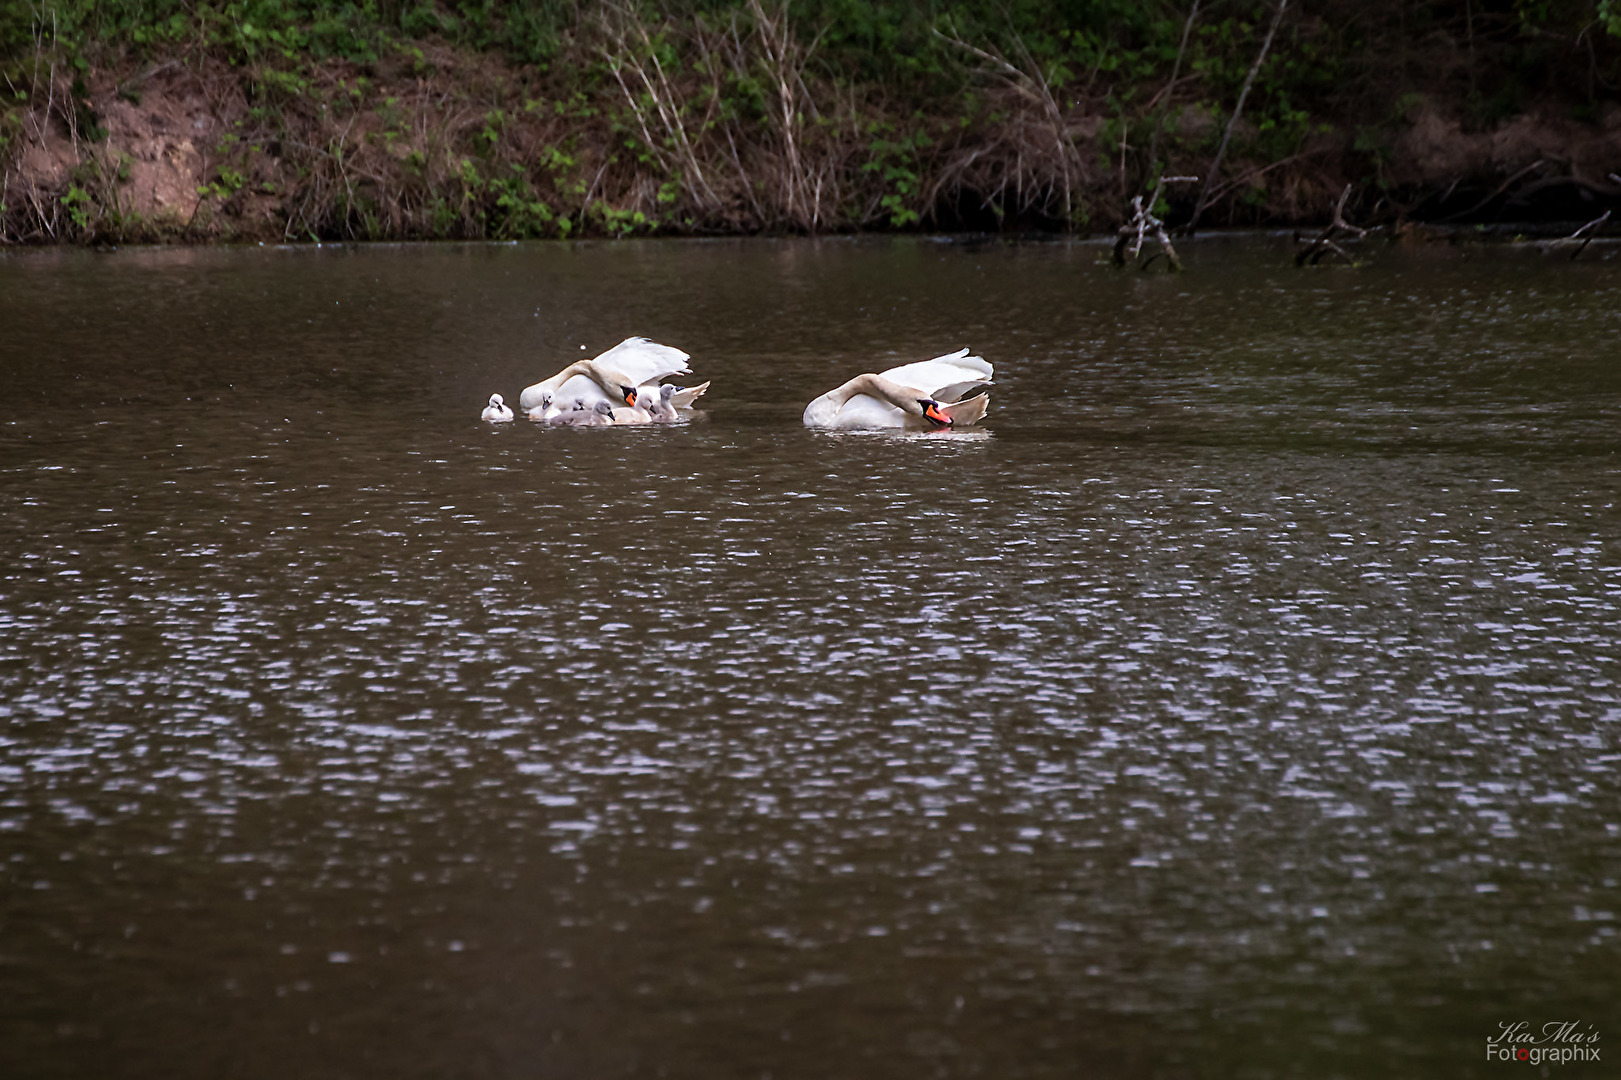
746, 119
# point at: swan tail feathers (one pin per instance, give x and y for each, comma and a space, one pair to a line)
684, 397
964, 413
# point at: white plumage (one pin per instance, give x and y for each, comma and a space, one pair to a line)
496, 412
922, 395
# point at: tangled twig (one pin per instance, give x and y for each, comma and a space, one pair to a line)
1130, 236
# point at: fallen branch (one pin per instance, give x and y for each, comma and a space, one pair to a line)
1504, 186
1238, 181
1581, 241
1143, 223
1324, 243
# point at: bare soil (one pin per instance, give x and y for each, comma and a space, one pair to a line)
460, 145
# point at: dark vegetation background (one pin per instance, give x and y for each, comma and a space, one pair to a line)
289, 119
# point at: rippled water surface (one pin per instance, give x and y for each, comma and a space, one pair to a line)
1241, 701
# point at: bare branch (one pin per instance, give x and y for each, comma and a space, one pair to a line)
1504, 186
1030, 82
1166, 90
1313, 251
1238, 109
621, 23
1143, 223
1578, 238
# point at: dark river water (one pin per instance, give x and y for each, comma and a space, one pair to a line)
1240, 701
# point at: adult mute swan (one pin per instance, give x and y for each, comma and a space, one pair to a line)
924, 395
614, 376
496, 411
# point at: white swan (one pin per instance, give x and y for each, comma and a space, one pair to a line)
615, 376
924, 395
582, 385
496, 412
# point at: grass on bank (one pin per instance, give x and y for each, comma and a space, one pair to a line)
465, 119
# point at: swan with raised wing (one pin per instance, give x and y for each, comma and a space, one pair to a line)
926, 395
615, 376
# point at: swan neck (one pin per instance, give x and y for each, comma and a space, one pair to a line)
606, 377
579, 367
609, 380
903, 398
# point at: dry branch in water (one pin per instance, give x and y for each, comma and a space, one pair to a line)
1324, 243
1129, 237
1582, 236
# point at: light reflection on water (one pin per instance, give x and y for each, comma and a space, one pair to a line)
1241, 701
